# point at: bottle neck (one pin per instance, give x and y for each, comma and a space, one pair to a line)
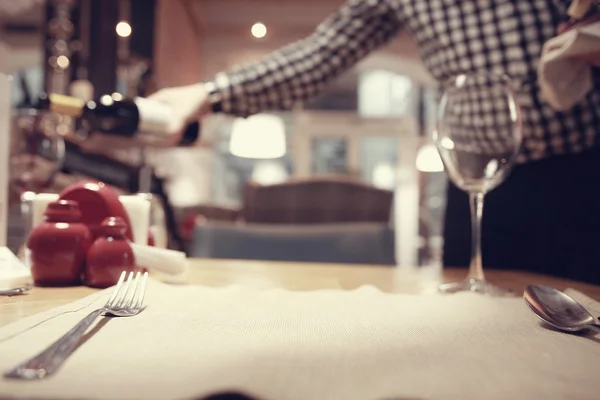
61, 104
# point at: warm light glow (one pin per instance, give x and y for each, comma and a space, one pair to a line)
259, 30
93, 186
63, 129
62, 62
429, 160
447, 143
106, 100
82, 89
28, 196
384, 94
269, 173
384, 176
123, 29
260, 136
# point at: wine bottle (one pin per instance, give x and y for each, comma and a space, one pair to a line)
119, 116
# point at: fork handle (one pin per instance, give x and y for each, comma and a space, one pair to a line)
49, 360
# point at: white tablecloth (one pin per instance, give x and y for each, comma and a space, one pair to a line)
275, 344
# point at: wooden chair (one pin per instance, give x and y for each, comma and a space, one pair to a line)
189, 217
348, 243
316, 200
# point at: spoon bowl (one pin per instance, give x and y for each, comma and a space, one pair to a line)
558, 309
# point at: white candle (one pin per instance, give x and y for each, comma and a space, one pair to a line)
138, 211
39, 205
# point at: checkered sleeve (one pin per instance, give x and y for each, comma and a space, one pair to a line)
302, 69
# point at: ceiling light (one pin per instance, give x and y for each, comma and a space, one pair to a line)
123, 29
62, 62
259, 30
260, 136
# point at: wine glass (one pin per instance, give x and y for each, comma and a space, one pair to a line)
37, 152
478, 136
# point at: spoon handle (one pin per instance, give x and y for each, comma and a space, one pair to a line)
594, 327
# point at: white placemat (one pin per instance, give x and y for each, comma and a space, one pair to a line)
277, 344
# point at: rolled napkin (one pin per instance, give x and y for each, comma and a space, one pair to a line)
170, 264
565, 68
363, 344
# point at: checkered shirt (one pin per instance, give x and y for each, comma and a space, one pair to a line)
454, 37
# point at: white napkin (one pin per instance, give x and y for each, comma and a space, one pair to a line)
329, 344
564, 76
13, 272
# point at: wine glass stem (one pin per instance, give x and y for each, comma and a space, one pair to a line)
476, 267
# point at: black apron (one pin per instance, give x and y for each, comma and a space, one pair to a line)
544, 218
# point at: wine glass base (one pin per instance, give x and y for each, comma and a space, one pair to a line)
477, 286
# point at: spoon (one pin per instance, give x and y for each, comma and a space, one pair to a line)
15, 291
558, 309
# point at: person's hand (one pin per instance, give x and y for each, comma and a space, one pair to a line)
592, 58
189, 104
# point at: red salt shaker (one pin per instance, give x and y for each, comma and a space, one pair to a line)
59, 245
110, 255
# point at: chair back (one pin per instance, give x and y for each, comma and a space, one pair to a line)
316, 200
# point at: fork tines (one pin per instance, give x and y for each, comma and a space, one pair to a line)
132, 297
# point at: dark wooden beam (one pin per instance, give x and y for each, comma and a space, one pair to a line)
47, 45
143, 17
75, 58
102, 61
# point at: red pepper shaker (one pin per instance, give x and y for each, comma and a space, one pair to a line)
110, 255
59, 245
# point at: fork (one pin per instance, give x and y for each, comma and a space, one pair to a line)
122, 303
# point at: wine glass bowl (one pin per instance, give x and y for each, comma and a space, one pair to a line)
478, 136
36, 154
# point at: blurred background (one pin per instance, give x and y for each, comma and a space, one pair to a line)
350, 176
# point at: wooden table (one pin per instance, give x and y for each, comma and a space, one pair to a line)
296, 276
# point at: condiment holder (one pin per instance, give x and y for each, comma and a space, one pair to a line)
58, 246
110, 254
113, 233
134, 209
97, 202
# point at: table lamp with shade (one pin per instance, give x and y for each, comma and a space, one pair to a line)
260, 136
